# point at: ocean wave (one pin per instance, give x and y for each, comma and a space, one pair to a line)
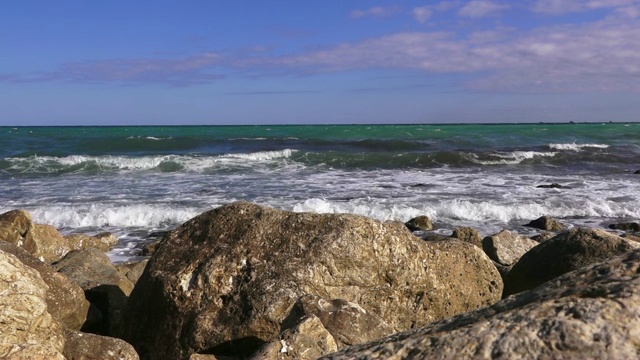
509, 158
149, 138
263, 155
576, 147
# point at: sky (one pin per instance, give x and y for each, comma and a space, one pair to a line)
139, 62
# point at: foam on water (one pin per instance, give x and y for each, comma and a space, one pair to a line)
576, 147
510, 158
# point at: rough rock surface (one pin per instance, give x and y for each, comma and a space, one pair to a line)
507, 247
591, 313
14, 226
82, 241
83, 346
307, 340
27, 330
229, 277
65, 299
543, 236
547, 223
107, 238
628, 226
565, 252
90, 267
46, 243
419, 223
132, 270
468, 234
348, 323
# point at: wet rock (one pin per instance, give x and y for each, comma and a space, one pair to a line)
468, 234
83, 241
228, 278
419, 223
14, 226
628, 226
107, 238
83, 346
28, 330
507, 247
132, 270
65, 299
46, 243
570, 250
306, 340
589, 313
547, 223
347, 322
551, 186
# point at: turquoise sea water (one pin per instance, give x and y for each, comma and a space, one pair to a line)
137, 180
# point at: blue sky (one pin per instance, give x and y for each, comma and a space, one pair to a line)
298, 62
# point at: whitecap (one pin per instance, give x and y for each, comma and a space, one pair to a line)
576, 147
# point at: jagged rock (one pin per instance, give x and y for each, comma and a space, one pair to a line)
27, 330
589, 313
629, 226
552, 186
547, 223
307, 340
83, 346
468, 234
132, 270
83, 241
107, 238
347, 322
14, 226
544, 236
565, 252
65, 299
46, 243
229, 277
507, 247
419, 223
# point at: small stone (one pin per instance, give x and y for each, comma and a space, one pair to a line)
420, 223
551, 186
547, 223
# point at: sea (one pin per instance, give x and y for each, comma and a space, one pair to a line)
139, 181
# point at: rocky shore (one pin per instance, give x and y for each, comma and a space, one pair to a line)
244, 281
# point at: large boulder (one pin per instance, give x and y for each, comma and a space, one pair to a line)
228, 278
14, 226
83, 241
83, 346
591, 313
46, 243
468, 234
132, 270
65, 299
565, 252
547, 223
419, 223
507, 247
28, 330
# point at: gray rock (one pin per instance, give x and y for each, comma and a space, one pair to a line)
543, 236
547, 223
591, 313
419, 223
628, 226
228, 278
552, 186
132, 270
507, 247
468, 234
565, 252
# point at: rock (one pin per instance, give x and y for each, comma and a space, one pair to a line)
14, 226
90, 267
637, 172
547, 223
83, 346
629, 226
46, 243
552, 186
83, 241
107, 238
65, 299
347, 322
132, 270
28, 330
419, 223
110, 303
229, 277
570, 250
507, 247
307, 340
589, 313
468, 234
544, 236
431, 236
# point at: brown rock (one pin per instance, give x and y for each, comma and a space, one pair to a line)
507, 247
419, 223
229, 277
45, 243
83, 346
468, 234
28, 330
547, 223
14, 226
307, 340
83, 241
628, 226
65, 299
107, 238
132, 270
544, 236
589, 313
570, 250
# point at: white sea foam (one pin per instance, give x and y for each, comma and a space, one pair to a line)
576, 147
510, 158
263, 155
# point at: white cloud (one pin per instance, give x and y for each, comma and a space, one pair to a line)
558, 7
481, 8
422, 14
376, 11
